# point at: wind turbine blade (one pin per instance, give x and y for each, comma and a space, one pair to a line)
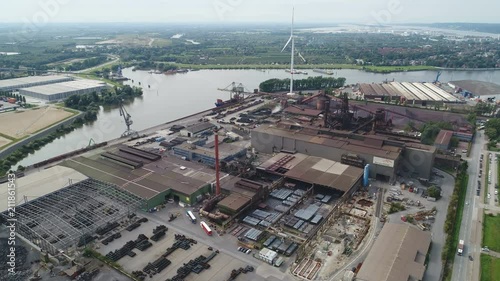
300, 55
286, 45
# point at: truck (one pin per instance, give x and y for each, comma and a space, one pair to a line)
461, 247
191, 216
206, 228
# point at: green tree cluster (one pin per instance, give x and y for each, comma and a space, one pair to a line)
431, 129
452, 223
88, 63
310, 83
396, 207
434, 192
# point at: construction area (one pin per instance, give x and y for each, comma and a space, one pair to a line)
67, 218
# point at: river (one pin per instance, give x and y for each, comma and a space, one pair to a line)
173, 96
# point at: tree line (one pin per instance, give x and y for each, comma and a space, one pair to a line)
310, 83
86, 63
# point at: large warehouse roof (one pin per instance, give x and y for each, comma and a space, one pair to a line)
29, 81
410, 91
373, 144
314, 170
65, 87
398, 254
151, 180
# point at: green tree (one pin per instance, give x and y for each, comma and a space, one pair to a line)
454, 142
434, 192
491, 133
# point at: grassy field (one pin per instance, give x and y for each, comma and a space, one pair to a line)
490, 268
382, 69
161, 42
94, 77
490, 232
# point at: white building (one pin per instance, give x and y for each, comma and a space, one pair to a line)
60, 91
268, 255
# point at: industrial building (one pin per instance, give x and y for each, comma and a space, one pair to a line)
242, 193
398, 254
443, 139
197, 129
314, 170
383, 154
412, 93
60, 91
192, 152
147, 175
15, 84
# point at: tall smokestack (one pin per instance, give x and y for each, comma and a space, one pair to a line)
217, 177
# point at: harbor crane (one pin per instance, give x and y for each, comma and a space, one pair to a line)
128, 122
437, 77
236, 91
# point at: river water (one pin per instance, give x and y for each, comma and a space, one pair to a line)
168, 97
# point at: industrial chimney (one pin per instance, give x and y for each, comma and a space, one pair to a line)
217, 176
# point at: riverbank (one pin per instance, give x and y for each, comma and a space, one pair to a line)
375, 69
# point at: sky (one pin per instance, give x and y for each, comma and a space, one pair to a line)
254, 11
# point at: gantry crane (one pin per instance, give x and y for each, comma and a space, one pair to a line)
128, 122
437, 77
236, 91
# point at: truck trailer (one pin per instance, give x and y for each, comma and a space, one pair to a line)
206, 228
461, 247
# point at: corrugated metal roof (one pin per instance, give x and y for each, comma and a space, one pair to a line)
398, 254
443, 138
317, 170
234, 202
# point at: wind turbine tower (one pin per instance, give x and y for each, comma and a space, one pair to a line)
292, 40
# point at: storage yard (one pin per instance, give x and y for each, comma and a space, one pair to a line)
18, 124
165, 255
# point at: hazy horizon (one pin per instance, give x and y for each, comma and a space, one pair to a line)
384, 12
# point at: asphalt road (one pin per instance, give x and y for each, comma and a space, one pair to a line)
435, 264
462, 266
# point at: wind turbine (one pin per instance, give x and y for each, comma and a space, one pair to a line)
291, 39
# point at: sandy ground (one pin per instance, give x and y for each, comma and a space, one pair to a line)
4, 141
23, 123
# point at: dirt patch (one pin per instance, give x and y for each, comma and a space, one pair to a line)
4, 141
23, 123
